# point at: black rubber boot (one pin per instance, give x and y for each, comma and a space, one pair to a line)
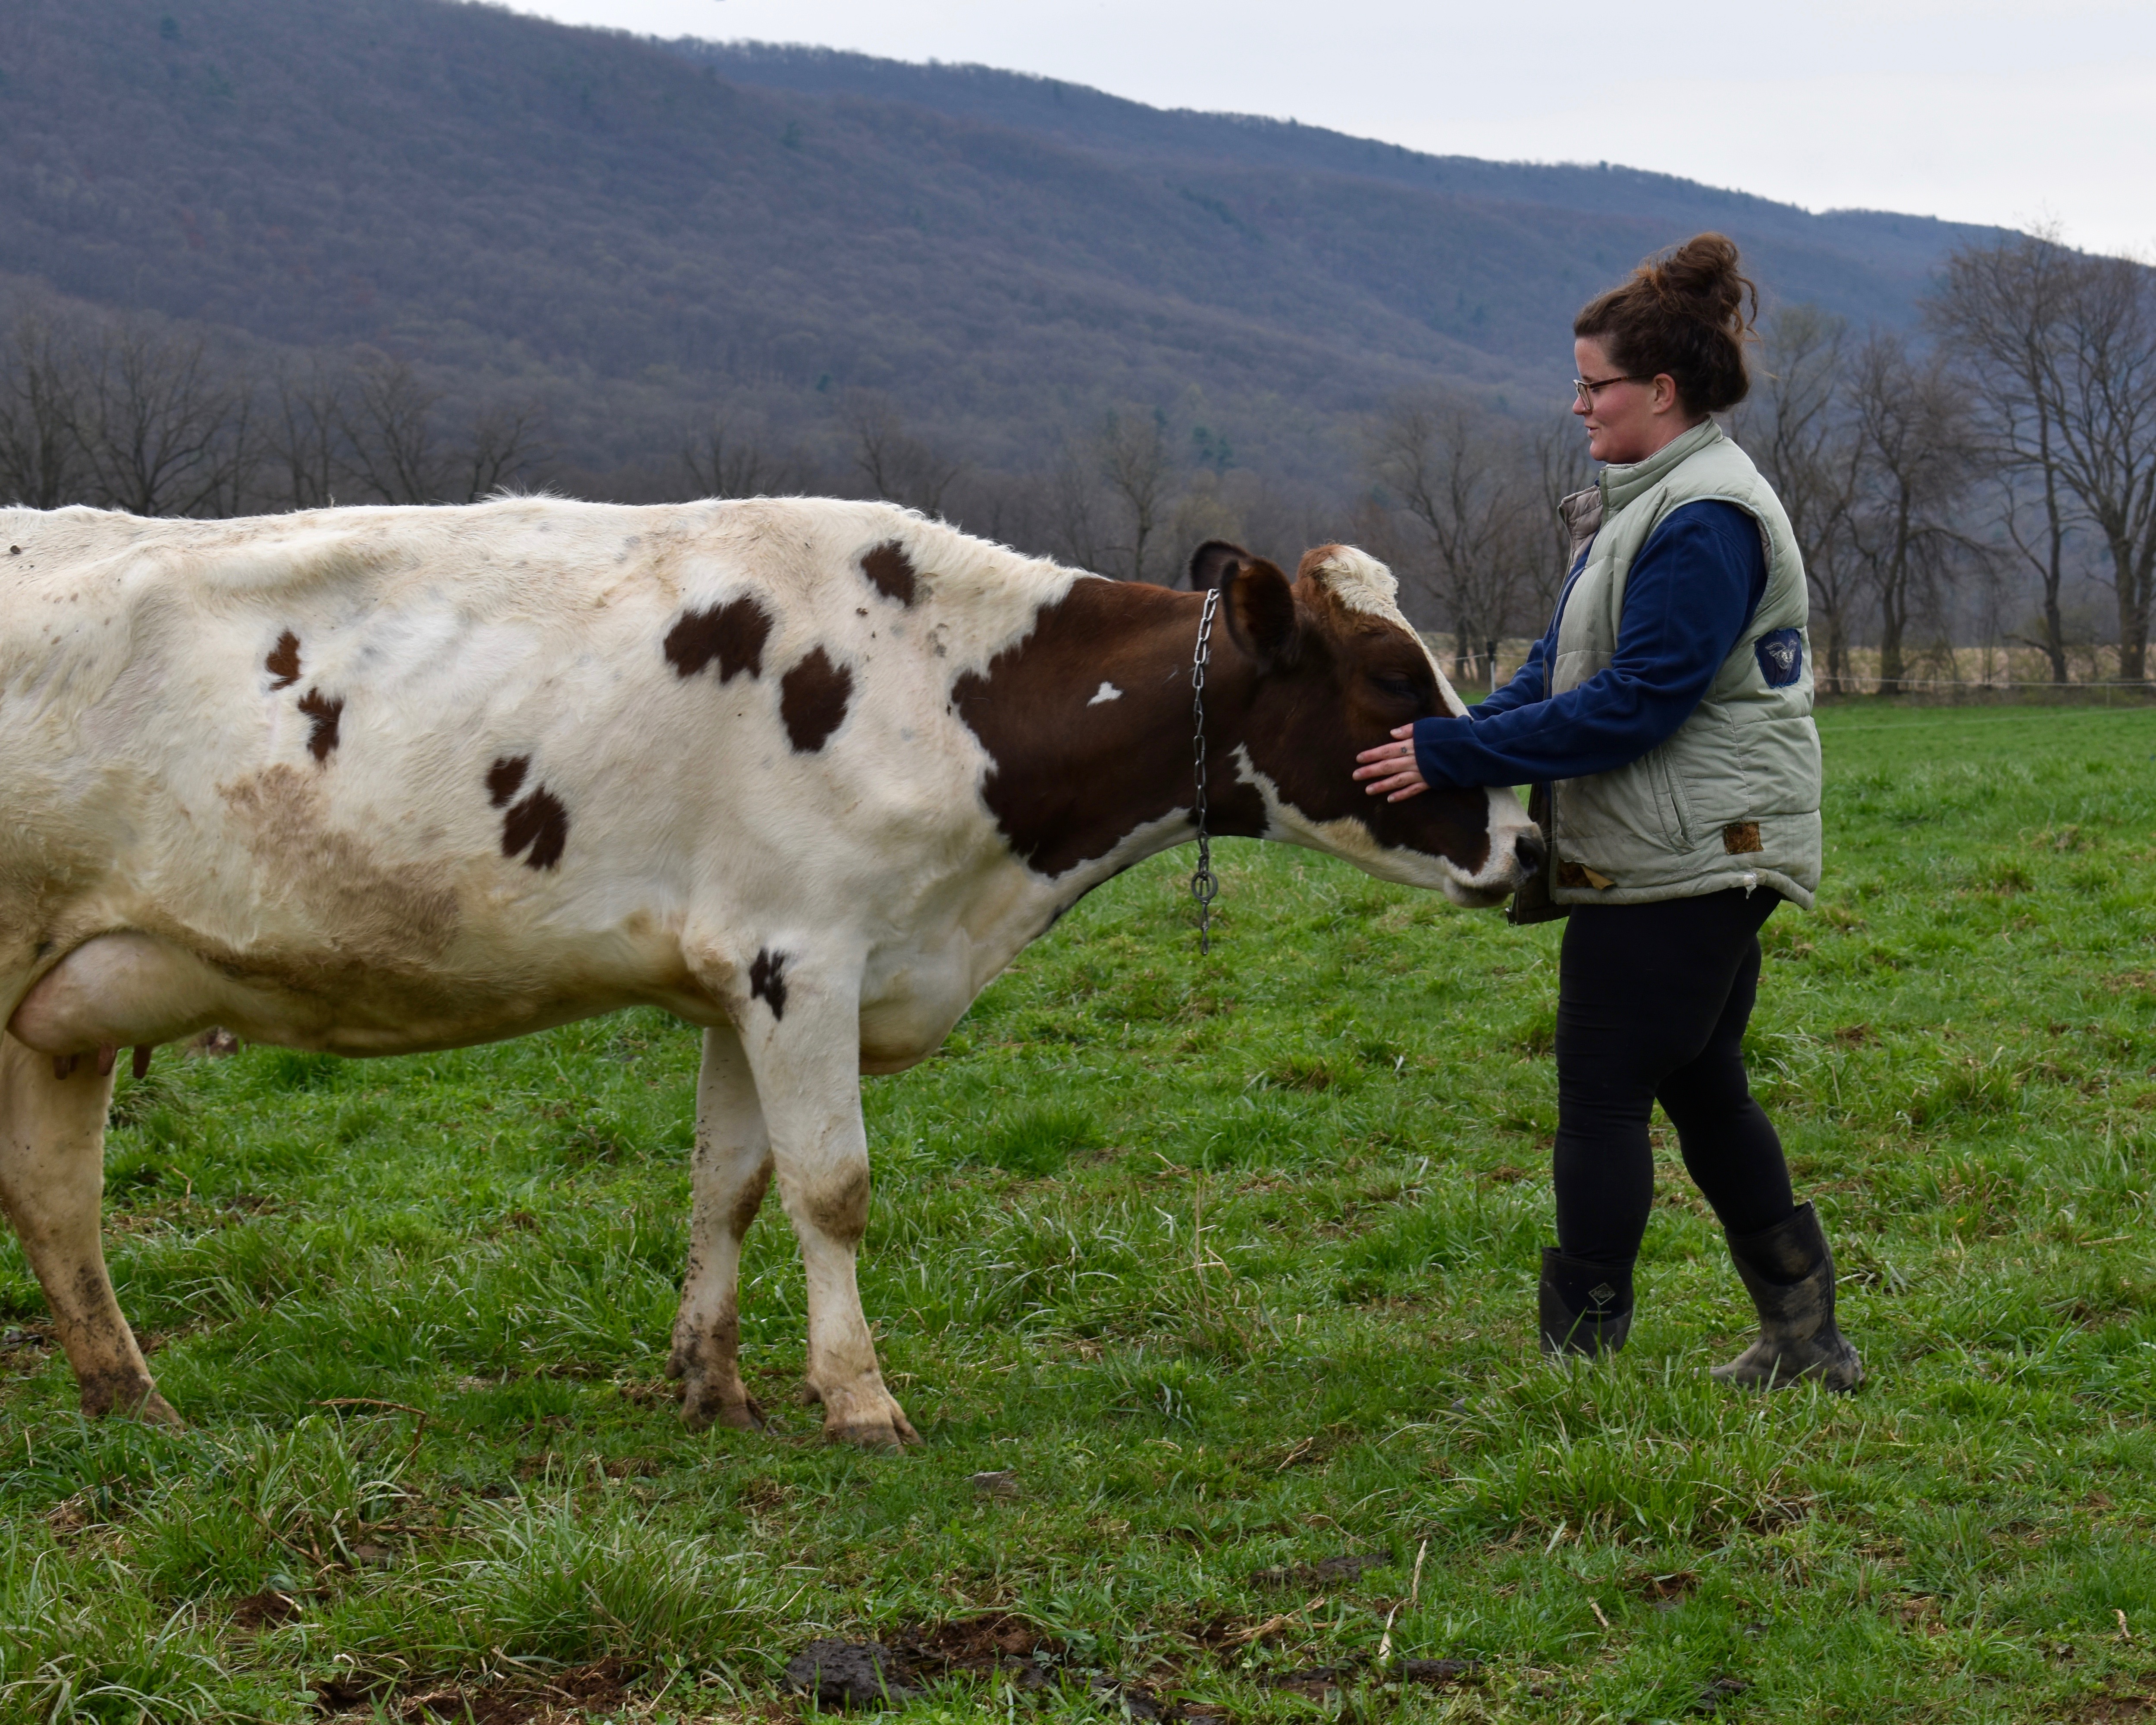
1586, 1308
1789, 1273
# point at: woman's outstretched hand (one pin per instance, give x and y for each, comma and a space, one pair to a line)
1389, 770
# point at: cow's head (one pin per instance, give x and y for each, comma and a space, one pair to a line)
1337, 668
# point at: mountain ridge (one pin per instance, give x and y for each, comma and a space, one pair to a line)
636, 232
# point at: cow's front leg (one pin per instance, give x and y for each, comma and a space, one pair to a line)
732, 1170
52, 1183
803, 1034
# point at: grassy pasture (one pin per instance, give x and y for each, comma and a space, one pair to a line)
1230, 1264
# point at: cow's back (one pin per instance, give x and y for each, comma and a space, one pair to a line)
434, 742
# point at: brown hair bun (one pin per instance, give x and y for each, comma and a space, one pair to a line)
1682, 312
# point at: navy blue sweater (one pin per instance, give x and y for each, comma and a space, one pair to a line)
1688, 596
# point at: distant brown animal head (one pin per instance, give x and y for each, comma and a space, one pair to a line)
1338, 668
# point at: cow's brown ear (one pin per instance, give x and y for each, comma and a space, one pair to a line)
1260, 607
1214, 563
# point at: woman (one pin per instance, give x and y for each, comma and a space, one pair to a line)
1665, 723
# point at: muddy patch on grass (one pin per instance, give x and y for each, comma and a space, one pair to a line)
2113, 1707
1325, 1571
570, 1694
844, 1676
847, 1675
1664, 1591
1321, 1682
254, 1613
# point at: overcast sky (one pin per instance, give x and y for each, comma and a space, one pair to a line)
1975, 109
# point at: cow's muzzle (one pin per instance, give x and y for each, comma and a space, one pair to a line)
1529, 853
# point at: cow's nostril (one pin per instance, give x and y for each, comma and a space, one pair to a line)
1532, 852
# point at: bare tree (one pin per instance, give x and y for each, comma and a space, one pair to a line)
306, 452
1810, 449
724, 460
504, 442
396, 450
2004, 307
897, 467
1132, 455
1913, 471
1460, 476
162, 432
1561, 466
42, 391
387, 422
2106, 400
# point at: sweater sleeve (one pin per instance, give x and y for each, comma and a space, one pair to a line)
1688, 596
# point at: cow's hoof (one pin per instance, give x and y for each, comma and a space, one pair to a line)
882, 1437
134, 1401
736, 1413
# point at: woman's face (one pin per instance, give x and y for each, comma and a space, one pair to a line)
1628, 418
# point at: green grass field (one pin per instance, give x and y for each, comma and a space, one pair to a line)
1230, 1264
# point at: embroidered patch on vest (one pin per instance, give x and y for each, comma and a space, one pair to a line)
1740, 838
1576, 876
1781, 655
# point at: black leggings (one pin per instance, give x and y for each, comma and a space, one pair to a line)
1652, 1001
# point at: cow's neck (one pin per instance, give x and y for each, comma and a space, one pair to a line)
1088, 723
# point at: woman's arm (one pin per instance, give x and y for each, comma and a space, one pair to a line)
1688, 596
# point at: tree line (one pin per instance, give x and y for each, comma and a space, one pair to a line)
1983, 480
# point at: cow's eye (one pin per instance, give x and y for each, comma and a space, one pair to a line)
1399, 686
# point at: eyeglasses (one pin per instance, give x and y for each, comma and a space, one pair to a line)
1587, 386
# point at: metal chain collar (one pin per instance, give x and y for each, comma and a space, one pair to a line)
1204, 884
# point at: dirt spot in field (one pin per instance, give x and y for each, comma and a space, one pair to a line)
1326, 1572
1504, 1174
762, 1493
1711, 1696
997, 1646
1665, 1590
1920, 1614
1318, 1682
554, 1700
844, 1675
2112, 1708
1855, 1035
264, 1610
981, 1646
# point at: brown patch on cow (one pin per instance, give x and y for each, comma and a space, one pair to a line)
749, 1200
891, 572
283, 663
397, 917
506, 778
1740, 838
324, 713
813, 698
733, 634
539, 823
1068, 781
767, 980
842, 1214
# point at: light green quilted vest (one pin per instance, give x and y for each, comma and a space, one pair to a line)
1732, 799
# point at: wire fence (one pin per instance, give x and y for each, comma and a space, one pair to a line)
1985, 675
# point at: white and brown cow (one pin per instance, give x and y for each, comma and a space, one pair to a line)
806, 773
